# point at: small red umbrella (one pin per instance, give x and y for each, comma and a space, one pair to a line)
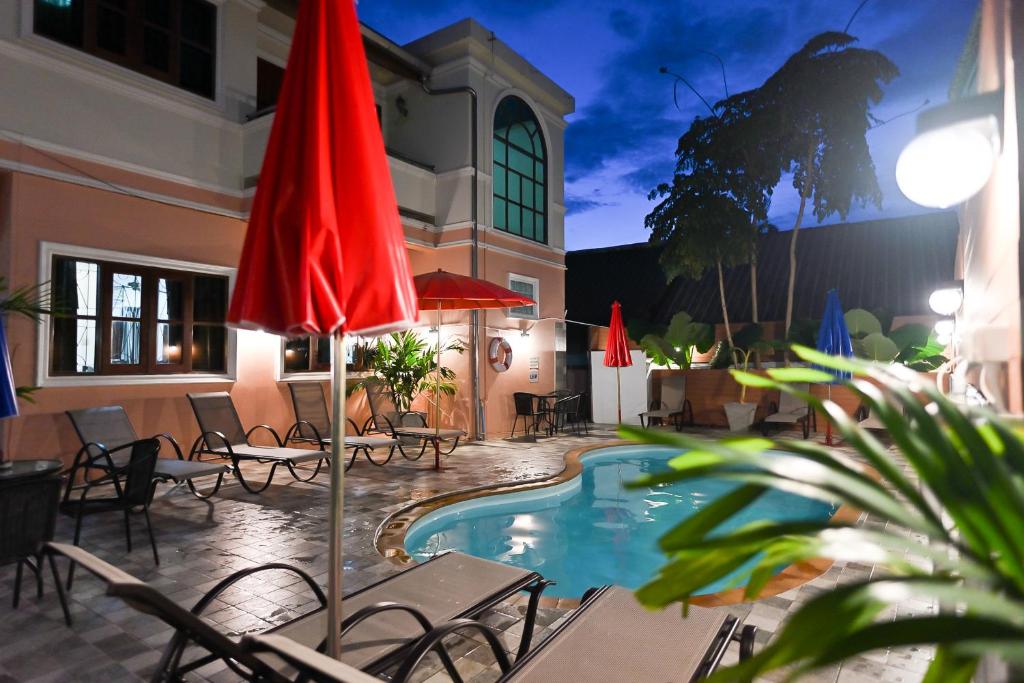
616, 354
325, 251
444, 291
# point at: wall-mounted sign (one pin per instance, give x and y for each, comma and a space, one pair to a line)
535, 362
534, 376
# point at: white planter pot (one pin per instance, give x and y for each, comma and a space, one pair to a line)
740, 415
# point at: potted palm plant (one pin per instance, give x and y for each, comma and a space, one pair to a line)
747, 343
964, 516
405, 363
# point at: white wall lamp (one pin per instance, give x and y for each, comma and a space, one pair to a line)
953, 154
947, 299
945, 330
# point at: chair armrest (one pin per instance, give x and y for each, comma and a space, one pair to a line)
277, 437
355, 427
204, 440
294, 429
231, 579
365, 613
434, 638
171, 440
401, 417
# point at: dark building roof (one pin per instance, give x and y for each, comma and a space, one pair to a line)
891, 264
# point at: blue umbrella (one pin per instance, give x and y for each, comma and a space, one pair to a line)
8, 394
834, 339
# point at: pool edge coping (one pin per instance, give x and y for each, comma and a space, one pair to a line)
389, 538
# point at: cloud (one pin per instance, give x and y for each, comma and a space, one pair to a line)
575, 205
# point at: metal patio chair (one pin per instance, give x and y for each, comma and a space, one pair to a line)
791, 410
224, 437
383, 621
28, 516
610, 637
313, 426
129, 487
385, 418
673, 406
102, 429
526, 408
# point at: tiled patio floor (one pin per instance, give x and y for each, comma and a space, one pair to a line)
201, 542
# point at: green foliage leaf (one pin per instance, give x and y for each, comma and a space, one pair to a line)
876, 347
860, 323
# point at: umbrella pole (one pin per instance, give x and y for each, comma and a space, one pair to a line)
437, 394
337, 510
618, 393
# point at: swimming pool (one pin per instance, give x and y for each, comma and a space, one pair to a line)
591, 531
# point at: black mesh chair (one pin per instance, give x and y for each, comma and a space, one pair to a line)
526, 408
132, 485
28, 515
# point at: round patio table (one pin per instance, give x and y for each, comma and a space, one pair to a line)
29, 469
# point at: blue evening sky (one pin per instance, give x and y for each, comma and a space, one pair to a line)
606, 53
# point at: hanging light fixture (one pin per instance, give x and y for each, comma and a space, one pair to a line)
953, 154
946, 300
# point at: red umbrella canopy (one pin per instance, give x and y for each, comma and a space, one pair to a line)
616, 355
453, 292
325, 249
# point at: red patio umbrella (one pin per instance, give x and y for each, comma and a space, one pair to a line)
325, 251
616, 353
444, 291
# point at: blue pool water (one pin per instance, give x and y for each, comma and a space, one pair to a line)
591, 531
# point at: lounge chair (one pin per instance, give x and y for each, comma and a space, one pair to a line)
223, 436
189, 627
609, 638
106, 428
673, 406
383, 624
313, 425
385, 418
791, 410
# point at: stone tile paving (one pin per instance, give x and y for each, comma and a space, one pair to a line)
201, 542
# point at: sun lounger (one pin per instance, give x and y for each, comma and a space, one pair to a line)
383, 621
223, 436
313, 425
385, 418
106, 429
791, 410
674, 406
609, 639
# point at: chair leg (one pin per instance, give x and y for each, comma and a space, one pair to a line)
17, 584
127, 530
514, 420
531, 616
152, 540
38, 569
60, 588
245, 484
203, 496
78, 535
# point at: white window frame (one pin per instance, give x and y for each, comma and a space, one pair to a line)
536, 296
47, 250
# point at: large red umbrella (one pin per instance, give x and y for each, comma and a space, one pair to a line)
616, 353
444, 291
325, 252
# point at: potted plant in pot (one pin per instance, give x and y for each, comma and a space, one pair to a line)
405, 363
675, 346
746, 344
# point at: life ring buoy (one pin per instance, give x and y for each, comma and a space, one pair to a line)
499, 354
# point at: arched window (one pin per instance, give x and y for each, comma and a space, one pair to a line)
520, 172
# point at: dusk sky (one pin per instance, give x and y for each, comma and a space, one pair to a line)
606, 53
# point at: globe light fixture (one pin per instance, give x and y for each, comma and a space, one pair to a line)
947, 299
952, 156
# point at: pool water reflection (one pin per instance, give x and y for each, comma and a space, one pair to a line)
591, 531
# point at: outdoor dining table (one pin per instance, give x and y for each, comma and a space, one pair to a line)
546, 409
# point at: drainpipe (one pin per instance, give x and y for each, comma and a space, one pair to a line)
479, 428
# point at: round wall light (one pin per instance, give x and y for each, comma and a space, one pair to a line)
947, 299
944, 331
953, 154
